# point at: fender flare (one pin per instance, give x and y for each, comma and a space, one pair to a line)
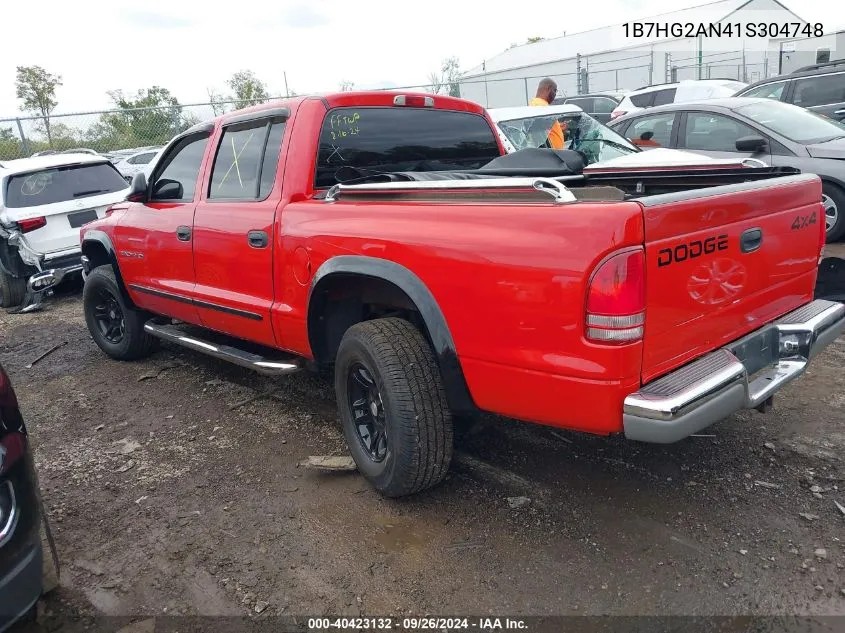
95, 236
454, 382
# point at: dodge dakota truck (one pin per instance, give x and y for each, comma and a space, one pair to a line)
389, 238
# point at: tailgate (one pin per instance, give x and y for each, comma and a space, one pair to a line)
723, 261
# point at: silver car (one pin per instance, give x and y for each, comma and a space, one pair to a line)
779, 134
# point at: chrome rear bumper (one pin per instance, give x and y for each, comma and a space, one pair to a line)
742, 375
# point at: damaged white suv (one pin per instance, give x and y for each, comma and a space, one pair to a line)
43, 202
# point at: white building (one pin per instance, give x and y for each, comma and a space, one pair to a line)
611, 58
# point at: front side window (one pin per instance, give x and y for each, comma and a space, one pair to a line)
652, 131
586, 104
767, 91
714, 132
356, 142
178, 180
60, 184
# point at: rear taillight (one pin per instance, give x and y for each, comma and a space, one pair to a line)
616, 298
32, 224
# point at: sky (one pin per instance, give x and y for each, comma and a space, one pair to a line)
191, 46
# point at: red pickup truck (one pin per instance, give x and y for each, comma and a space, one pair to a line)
388, 237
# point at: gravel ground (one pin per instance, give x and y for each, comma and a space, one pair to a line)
174, 487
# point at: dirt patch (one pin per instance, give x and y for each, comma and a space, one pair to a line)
174, 487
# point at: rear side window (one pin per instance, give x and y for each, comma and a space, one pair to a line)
662, 97
356, 142
246, 161
645, 100
61, 184
820, 90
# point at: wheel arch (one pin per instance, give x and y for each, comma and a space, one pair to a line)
98, 250
344, 286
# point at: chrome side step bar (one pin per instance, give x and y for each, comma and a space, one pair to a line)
261, 364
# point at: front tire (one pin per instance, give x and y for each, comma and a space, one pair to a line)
393, 406
833, 199
116, 328
12, 290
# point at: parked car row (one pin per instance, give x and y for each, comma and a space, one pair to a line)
777, 133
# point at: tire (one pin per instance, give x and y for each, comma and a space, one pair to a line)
117, 329
12, 290
833, 198
402, 383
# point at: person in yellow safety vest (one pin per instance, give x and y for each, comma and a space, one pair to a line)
546, 93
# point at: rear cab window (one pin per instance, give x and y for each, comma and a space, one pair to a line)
356, 142
61, 184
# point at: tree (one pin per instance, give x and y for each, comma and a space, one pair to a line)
534, 40
447, 78
248, 89
347, 86
216, 99
37, 88
151, 117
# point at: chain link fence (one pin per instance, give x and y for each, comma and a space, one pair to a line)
123, 130
105, 132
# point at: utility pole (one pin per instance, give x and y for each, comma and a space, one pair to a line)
285, 75
699, 56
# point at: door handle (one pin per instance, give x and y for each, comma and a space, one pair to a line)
183, 233
258, 239
750, 240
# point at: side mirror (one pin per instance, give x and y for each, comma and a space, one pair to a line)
751, 144
138, 188
168, 190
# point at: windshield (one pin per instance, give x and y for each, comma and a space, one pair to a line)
793, 122
595, 141
61, 184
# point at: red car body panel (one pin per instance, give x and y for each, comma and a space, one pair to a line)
510, 279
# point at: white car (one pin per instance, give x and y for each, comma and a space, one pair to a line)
524, 127
678, 92
43, 203
135, 163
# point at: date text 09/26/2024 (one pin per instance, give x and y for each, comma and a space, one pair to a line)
426, 623
766, 30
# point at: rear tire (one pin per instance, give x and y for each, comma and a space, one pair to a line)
393, 406
834, 200
12, 290
116, 328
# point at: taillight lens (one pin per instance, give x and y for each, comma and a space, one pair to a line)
616, 299
31, 224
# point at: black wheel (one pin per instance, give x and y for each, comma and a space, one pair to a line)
833, 199
393, 407
116, 328
12, 290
